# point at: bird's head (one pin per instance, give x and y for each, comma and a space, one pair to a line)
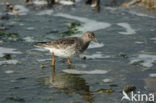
89, 36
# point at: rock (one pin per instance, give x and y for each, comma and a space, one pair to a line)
149, 4
131, 3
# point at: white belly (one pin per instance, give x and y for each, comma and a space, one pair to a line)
68, 52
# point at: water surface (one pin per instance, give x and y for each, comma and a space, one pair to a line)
119, 31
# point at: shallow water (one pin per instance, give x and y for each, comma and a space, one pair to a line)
28, 76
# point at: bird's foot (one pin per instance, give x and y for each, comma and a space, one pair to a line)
69, 62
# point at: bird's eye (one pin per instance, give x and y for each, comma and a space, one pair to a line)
90, 36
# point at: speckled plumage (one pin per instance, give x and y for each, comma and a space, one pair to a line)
70, 46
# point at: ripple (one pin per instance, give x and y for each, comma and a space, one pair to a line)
89, 24
153, 38
147, 59
138, 42
9, 71
63, 2
8, 51
152, 75
141, 14
107, 80
42, 60
85, 72
39, 2
129, 29
8, 62
97, 55
30, 28
45, 12
29, 39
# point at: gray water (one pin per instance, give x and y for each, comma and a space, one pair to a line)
120, 33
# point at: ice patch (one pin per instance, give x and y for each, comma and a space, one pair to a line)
153, 38
45, 12
139, 42
106, 80
77, 0
148, 60
152, 29
30, 28
9, 62
97, 55
9, 71
8, 51
21, 10
129, 30
63, 2
71, 71
29, 39
152, 75
140, 14
111, 8
40, 2
89, 24
21, 24
95, 45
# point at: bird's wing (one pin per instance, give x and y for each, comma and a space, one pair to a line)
61, 43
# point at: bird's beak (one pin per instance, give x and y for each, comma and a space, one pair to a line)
94, 39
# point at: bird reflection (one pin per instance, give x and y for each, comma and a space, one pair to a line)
69, 83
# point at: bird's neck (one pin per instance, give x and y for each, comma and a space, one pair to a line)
85, 44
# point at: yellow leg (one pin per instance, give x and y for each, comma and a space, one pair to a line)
68, 61
53, 74
53, 59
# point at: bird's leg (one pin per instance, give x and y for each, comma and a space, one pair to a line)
69, 62
53, 59
53, 74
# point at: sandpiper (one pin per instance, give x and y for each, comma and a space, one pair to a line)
68, 47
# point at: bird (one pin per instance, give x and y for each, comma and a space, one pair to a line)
69, 46
11, 8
